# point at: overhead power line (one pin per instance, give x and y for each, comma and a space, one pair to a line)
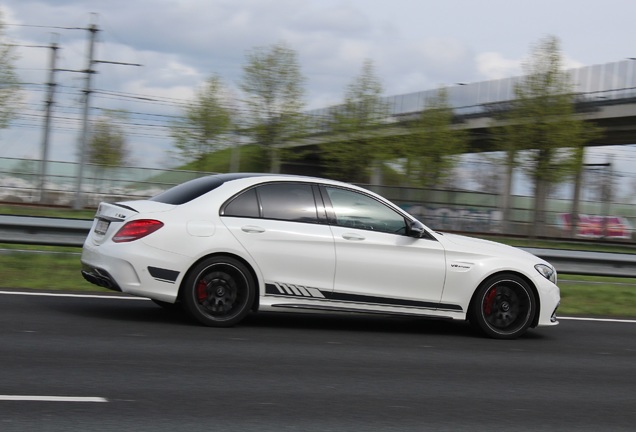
45, 26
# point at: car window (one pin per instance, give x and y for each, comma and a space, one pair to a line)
193, 189
288, 201
189, 190
244, 205
356, 210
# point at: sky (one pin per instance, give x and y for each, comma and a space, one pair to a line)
415, 45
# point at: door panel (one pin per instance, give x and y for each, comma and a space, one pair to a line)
288, 252
391, 267
280, 226
376, 261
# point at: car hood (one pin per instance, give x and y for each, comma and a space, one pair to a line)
471, 245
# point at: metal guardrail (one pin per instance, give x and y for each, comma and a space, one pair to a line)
588, 263
43, 230
73, 232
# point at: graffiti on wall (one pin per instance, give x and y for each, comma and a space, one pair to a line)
593, 226
457, 219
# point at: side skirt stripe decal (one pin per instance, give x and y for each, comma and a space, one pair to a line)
307, 292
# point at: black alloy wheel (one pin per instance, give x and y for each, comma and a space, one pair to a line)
503, 307
219, 292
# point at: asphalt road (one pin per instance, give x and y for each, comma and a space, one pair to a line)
127, 365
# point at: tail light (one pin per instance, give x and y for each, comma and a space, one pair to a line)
134, 230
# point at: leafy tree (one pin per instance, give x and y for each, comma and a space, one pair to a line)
541, 131
206, 124
107, 146
273, 87
354, 126
9, 87
433, 145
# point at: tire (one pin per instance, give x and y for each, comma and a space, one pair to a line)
503, 307
219, 292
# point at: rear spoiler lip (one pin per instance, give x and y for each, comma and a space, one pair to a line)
124, 206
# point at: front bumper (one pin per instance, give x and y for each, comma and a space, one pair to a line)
549, 299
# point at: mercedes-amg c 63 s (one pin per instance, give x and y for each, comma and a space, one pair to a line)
228, 244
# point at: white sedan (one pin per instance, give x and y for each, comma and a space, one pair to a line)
228, 244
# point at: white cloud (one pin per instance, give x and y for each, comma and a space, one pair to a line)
492, 65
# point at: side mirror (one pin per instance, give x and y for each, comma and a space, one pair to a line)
415, 229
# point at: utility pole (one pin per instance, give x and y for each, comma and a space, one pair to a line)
77, 203
89, 71
47, 121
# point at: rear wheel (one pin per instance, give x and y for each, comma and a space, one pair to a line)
503, 307
219, 292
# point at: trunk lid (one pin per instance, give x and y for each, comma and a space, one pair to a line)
110, 217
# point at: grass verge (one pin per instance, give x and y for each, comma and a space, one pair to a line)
47, 268
597, 296
62, 212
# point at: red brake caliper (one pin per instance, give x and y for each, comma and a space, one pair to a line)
489, 301
202, 292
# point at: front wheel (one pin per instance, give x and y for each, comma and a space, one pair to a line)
219, 292
503, 307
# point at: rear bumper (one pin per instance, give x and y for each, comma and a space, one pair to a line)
156, 276
99, 277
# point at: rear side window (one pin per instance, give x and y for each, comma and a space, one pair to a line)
281, 201
288, 201
244, 205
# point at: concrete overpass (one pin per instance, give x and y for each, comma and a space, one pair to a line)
606, 95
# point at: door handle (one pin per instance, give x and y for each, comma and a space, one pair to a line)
252, 229
352, 236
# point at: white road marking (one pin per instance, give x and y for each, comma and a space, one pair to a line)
41, 294
598, 319
52, 398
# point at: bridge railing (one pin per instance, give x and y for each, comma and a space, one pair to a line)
609, 81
